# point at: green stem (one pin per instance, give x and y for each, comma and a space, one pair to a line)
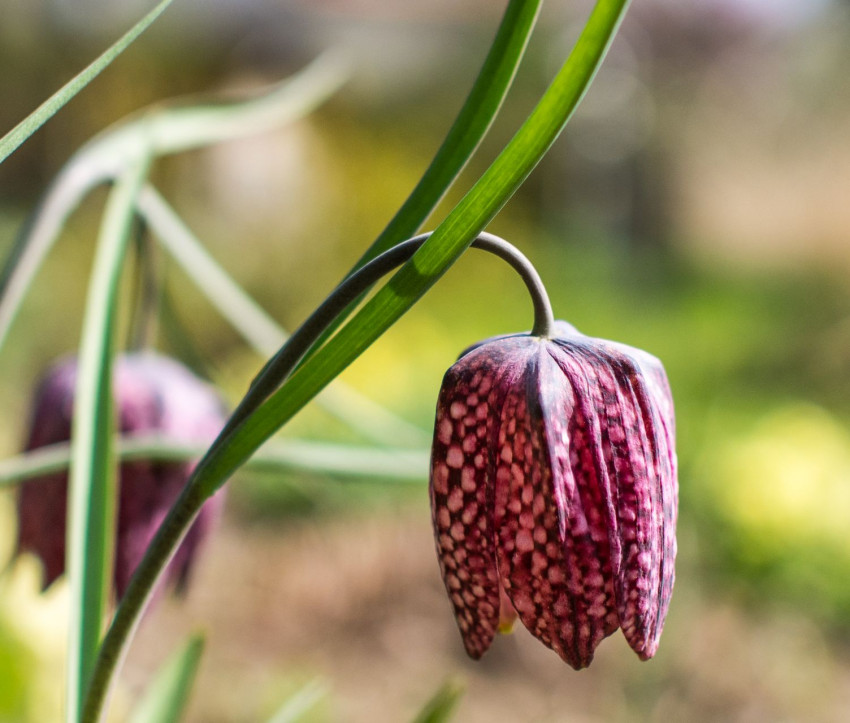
471, 125
273, 457
258, 328
91, 491
224, 456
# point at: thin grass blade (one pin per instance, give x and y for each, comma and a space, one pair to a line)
258, 328
471, 125
36, 239
34, 121
300, 703
350, 461
441, 706
167, 696
92, 484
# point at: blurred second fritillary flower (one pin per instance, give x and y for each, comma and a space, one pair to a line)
154, 395
554, 492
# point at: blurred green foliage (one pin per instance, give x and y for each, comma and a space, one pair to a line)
757, 356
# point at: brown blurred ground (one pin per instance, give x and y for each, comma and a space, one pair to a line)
359, 603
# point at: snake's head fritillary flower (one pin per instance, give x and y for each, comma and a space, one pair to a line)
154, 395
554, 492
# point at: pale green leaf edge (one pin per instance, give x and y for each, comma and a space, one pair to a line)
167, 696
301, 702
441, 706
92, 489
345, 460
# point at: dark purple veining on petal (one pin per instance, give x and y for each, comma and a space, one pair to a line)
635, 409
593, 513
662, 495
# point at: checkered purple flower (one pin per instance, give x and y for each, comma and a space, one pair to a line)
154, 395
554, 492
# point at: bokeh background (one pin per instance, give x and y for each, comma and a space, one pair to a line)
696, 206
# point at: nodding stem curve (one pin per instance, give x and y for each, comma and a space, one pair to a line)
273, 374
282, 364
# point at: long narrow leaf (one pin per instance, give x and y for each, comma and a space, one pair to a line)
36, 239
441, 706
179, 127
168, 694
445, 245
258, 328
34, 121
91, 494
472, 123
370, 463
166, 129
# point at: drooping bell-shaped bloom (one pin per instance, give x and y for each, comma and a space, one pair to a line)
554, 492
154, 395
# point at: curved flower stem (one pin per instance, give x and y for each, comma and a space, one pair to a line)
222, 459
259, 329
281, 365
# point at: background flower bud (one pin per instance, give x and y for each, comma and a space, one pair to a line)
154, 395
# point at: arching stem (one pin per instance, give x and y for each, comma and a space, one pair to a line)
217, 464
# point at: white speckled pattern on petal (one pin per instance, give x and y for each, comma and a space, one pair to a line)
553, 481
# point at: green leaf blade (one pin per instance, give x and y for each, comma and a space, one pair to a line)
377, 464
471, 125
443, 248
29, 125
168, 694
441, 706
300, 703
92, 484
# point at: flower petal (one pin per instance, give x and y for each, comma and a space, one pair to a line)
152, 394
634, 408
660, 491
635, 438
552, 540
461, 487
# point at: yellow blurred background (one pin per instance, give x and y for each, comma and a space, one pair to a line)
695, 207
